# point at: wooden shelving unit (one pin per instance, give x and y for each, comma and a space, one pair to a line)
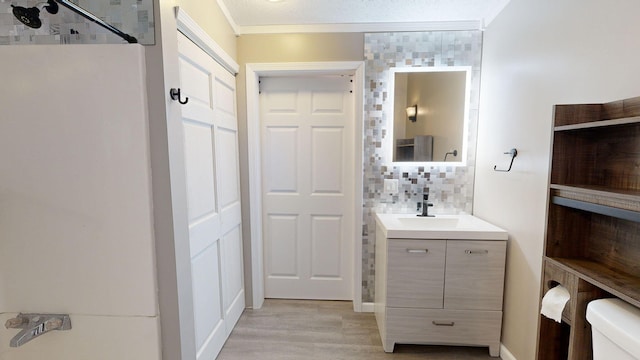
592, 245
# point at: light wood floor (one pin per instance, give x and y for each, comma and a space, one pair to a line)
322, 330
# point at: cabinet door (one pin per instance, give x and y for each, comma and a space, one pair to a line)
415, 273
474, 275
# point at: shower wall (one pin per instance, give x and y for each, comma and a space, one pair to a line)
450, 187
76, 215
133, 17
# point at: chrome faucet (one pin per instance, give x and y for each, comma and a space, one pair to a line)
425, 206
34, 325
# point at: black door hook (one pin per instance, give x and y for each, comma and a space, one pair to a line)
175, 95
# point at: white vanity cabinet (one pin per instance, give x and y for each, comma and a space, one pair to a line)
439, 291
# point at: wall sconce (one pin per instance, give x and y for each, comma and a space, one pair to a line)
412, 113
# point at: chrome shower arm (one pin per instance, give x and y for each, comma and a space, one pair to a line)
84, 13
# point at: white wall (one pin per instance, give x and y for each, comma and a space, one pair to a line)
538, 53
75, 201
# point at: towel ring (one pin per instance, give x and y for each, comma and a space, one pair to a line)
513, 152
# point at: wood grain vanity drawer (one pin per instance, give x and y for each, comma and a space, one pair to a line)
474, 275
415, 273
427, 326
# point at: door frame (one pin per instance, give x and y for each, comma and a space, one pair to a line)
253, 73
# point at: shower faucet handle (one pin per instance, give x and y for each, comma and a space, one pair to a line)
16, 323
34, 325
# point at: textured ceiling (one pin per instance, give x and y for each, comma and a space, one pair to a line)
306, 12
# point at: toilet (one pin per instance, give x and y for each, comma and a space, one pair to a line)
615, 327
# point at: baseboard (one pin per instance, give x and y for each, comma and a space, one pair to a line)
367, 307
505, 354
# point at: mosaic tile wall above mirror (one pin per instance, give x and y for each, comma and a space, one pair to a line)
132, 17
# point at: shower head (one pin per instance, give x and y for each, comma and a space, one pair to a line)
31, 16
28, 16
51, 7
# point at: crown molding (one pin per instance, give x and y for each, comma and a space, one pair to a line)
496, 11
195, 33
363, 27
227, 15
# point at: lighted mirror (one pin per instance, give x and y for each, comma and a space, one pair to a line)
430, 107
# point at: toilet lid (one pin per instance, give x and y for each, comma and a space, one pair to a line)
619, 321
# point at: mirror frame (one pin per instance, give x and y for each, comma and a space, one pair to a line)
463, 153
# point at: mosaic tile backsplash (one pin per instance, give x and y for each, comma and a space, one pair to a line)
450, 188
133, 17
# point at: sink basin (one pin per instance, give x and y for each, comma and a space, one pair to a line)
417, 222
451, 227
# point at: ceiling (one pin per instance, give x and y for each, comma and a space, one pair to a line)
259, 16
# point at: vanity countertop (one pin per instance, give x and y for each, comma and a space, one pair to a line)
450, 227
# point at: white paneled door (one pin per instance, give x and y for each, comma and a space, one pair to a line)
307, 126
213, 196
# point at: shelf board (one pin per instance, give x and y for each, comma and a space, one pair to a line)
615, 198
600, 123
597, 208
622, 285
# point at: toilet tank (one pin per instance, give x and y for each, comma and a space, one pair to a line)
615, 327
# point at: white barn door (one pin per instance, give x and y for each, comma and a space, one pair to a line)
307, 126
213, 196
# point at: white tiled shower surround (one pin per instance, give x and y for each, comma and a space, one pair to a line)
450, 188
133, 17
